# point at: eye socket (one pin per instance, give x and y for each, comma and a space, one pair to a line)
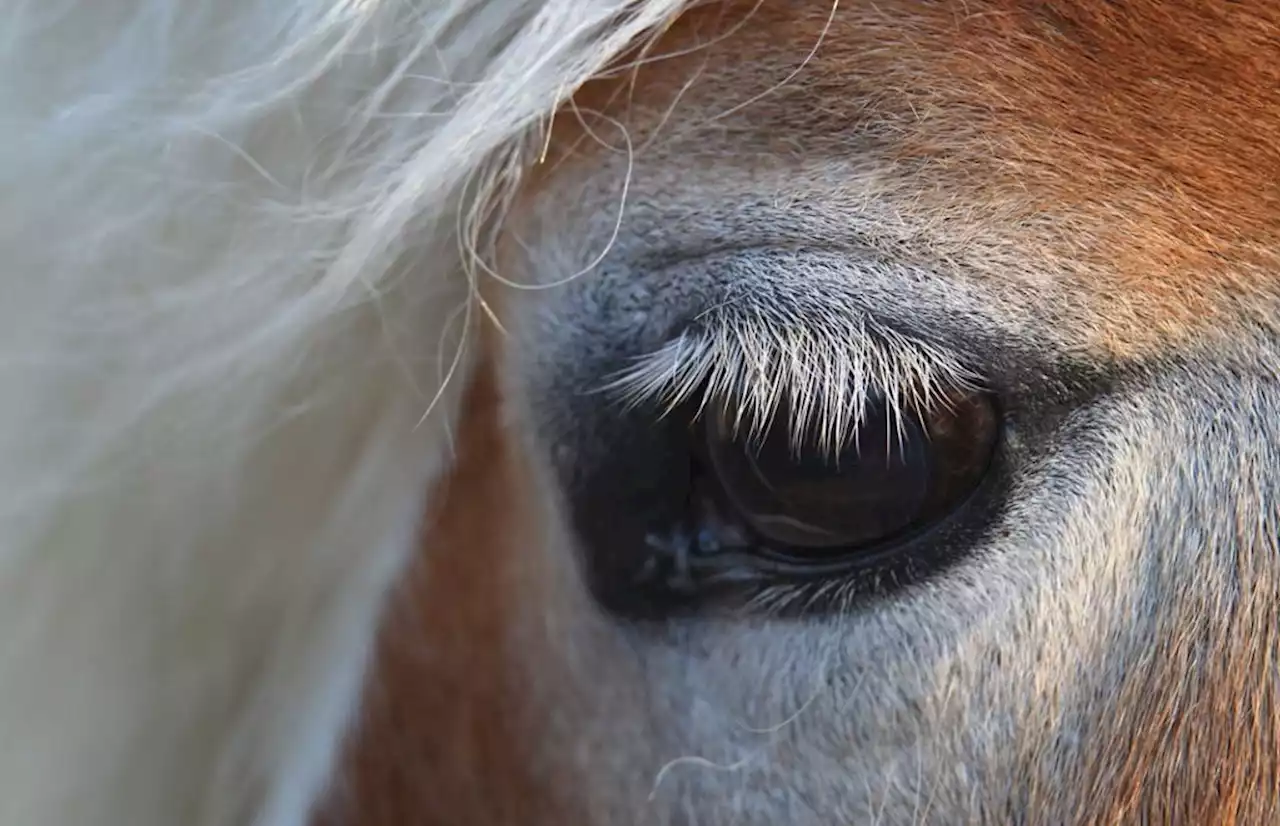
896, 476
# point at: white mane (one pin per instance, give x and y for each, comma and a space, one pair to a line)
235, 244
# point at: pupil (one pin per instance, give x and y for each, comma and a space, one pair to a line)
876, 486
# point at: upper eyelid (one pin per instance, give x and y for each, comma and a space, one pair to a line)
955, 320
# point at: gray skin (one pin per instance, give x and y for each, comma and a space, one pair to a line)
1132, 553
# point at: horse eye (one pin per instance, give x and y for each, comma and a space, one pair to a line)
680, 511
897, 474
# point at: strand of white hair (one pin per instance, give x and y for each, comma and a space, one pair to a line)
234, 244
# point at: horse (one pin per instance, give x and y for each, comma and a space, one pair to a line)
640, 412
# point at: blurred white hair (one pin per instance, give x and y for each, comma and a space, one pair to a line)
235, 246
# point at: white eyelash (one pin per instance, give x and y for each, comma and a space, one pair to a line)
825, 370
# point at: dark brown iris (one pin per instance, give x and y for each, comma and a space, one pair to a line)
893, 476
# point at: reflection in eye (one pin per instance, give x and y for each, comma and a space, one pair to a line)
805, 497
895, 476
